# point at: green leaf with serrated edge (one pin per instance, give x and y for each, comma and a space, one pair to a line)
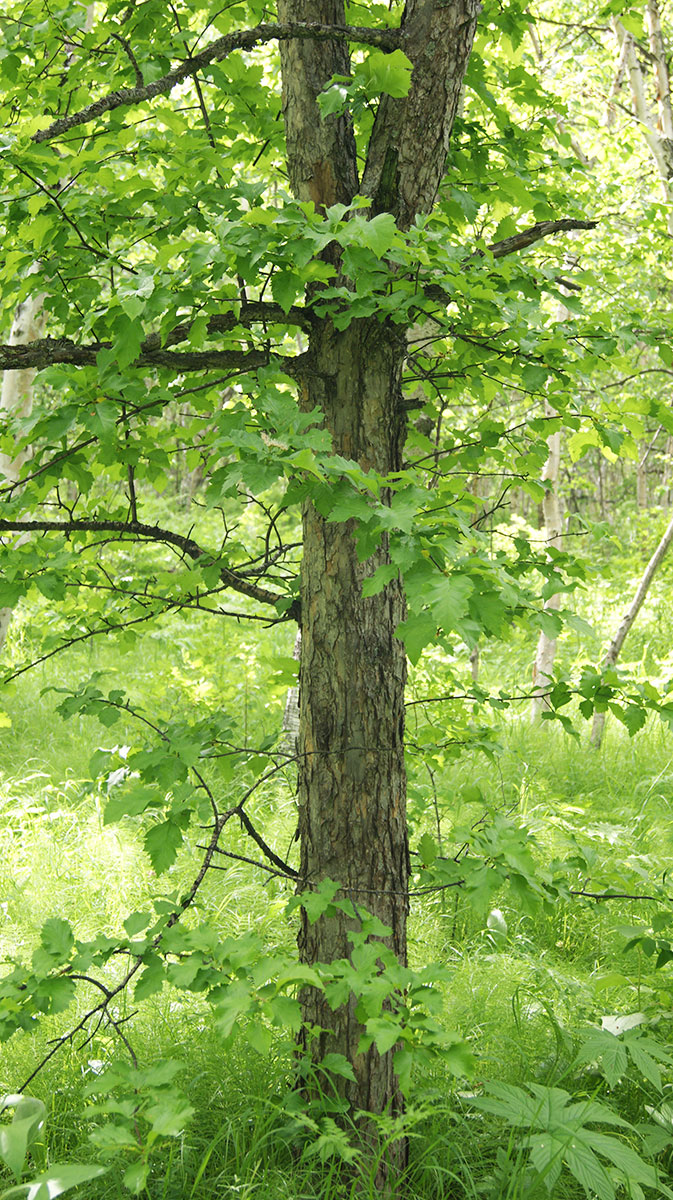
169, 1115
587, 1169
136, 922
644, 1062
389, 73
162, 843
427, 849
57, 939
135, 1177
337, 1064
286, 286
610, 1053
386, 1033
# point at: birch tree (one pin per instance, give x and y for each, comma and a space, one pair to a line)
617, 643
654, 116
16, 398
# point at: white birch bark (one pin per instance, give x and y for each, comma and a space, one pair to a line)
657, 126
615, 647
16, 397
545, 656
291, 713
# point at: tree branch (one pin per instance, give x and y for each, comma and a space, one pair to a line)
535, 233
155, 533
154, 349
244, 39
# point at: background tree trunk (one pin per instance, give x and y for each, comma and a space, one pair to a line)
16, 398
615, 648
553, 526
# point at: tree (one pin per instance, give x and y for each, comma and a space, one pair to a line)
615, 648
172, 228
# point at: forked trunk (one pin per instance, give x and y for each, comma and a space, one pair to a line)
352, 820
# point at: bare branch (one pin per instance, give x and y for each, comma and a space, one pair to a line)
243, 39
535, 233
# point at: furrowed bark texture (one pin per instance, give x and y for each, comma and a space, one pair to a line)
352, 787
321, 154
352, 784
407, 151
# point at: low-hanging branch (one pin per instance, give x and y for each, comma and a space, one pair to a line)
154, 533
48, 352
155, 350
242, 39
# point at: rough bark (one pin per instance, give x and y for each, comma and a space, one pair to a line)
352, 793
406, 158
615, 647
321, 154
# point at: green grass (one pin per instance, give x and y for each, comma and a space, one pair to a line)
520, 1001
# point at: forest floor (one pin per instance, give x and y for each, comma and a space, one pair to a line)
526, 987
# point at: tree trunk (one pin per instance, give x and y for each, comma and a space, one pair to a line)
290, 731
657, 127
17, 386
553, 525
352, 793
17, 398
641, 480
617, 642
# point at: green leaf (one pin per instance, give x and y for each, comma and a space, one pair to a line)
285, 287
57, 939
169, 1115
337, 1064
135, 1177
334, 100
377, 234
162, 843
375, 583
607, 1049
26, 1125
136, 922
587, 1169
389, 73
385, 1031
60, 1178
427, 850
260, 1037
